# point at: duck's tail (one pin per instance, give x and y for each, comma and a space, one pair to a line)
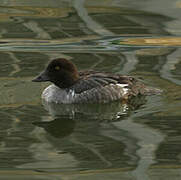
152, 91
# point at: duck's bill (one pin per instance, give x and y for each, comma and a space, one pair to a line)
42, 77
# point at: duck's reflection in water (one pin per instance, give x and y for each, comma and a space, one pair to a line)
59, 127
102, 112
65, 116
88, 134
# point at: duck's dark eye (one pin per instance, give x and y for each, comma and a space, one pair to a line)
57, 68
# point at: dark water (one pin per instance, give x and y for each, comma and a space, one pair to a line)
106, 141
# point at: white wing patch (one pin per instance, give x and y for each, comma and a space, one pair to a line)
124, 87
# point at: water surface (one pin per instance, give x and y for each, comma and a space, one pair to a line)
110, 141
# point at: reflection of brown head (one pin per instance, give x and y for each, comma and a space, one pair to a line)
59, 128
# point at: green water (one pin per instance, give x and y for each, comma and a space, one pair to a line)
106, 141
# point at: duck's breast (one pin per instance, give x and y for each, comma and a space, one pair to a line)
57, 95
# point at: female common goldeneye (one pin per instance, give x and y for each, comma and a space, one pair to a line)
70, 86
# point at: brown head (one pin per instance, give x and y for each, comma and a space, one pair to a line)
62, 72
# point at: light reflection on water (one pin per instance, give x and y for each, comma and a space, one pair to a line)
95, 140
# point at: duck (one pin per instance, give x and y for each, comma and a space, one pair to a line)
70, 86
